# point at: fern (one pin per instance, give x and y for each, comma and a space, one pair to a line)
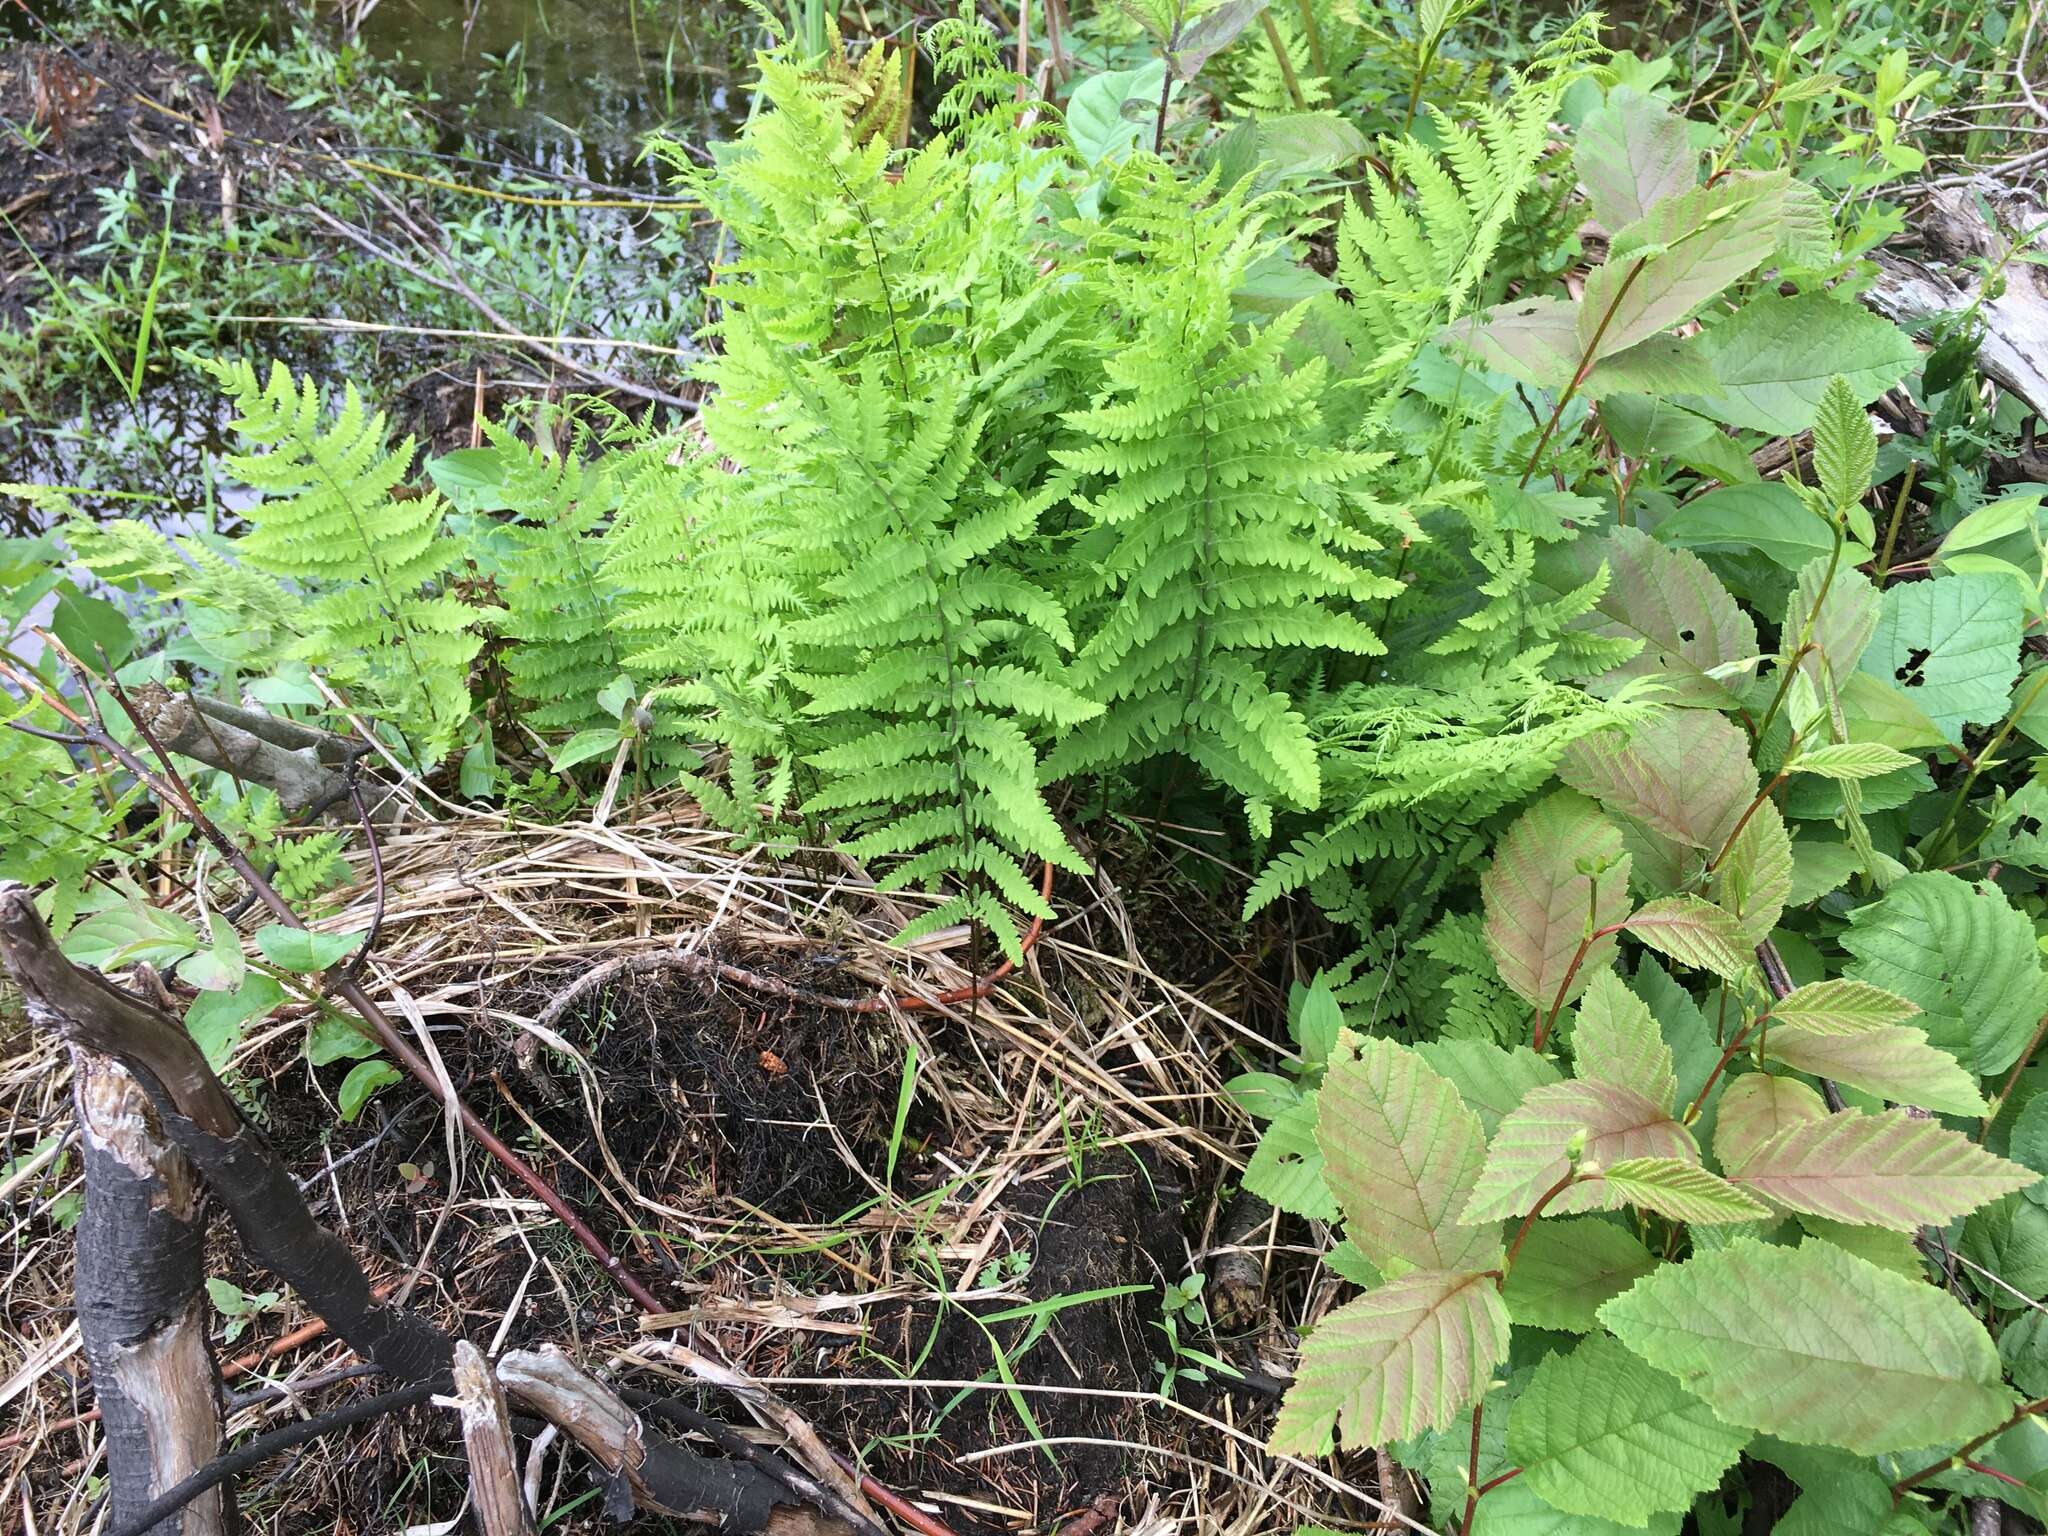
381, 612
1221, 525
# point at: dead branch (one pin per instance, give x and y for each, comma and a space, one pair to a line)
494, 1489
141, 1309
304, 766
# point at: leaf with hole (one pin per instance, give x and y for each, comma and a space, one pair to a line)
1953, 644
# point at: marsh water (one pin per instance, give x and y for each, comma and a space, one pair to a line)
549, 97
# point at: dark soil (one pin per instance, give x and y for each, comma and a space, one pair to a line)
103, 108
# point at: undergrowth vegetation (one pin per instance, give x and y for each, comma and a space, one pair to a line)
1361, 452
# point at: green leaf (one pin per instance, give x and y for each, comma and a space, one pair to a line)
1754, 880
1568, 1268
1286, 1168
1538, 902
1844, 442
1616, 1041
1678, 784
216, 1020
333, 1038
584, 745
1887, 1170
1315, 1020
1963, 955
1632, 152
1953, 645
221, 967
1695, 933
1818, 868
1490, 1079
1598, 1432
1893, 1061
1852, 1501
1680, 1190
91, 627
1263, 1095
1843, 610
303, 950
2009, 1239
1666, 599
1774, 357
1401, 1153
1407, 1357
1842, 1006
123, 935
1209, 33
1755, 1108
1765, 517
363, 1080
1534, 1147
1851, 760
1097, 122
1666, 266
1816, 1345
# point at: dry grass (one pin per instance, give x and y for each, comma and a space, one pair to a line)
1086, 1060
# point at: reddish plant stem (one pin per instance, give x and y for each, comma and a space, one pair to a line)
1721, 1066
1472, 1472
1962, 1455
1494, 1482
2013, 1077
1571, 974
1529, 1221
1764, 794
1579, 375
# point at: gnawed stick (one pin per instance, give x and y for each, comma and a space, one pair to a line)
278, 1231
141, 1310
494, 1490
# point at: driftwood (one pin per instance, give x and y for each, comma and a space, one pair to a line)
141, 1309
278, 1230
1953, 235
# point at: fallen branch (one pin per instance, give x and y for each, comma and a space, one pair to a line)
141, 1309
494, 1489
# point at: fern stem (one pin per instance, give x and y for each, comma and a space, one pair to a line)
1279, 46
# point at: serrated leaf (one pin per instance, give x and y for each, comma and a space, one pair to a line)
1407, 1357
1401, 1153
1632, 152
1844, 443
1616, 1041
1664, 267
1756, 1107
1842, 609
1668, 600
1774, 357
1815, 1344
1537, 902
1534, 339
1599, 1432
1490, 1079
1851, 760
1819, 867
1842, 1006
1677, 785
1679, 1190
1953, 645
1532, 1149
1852, 1501
1963, 955
1893, 1061
1695, 933
1754, 880
1888, 1250
1887, 1170
1568, 1268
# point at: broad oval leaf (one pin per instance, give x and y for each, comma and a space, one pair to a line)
1766, 517
1891, 1170
1756, 1107
1963, 955
1401, 1153
1893, 1061
1678, 785
303, 950
1568, 1268
1537, 901
1816, 1345
1407, 1357
1533, 1149
1842, 1006
1695, 933
1286, 1168
1616, 1041
1599, 1432
1667, 599
1632, 153
1953, 645
1488, 1077
1667, 265
1774, 356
